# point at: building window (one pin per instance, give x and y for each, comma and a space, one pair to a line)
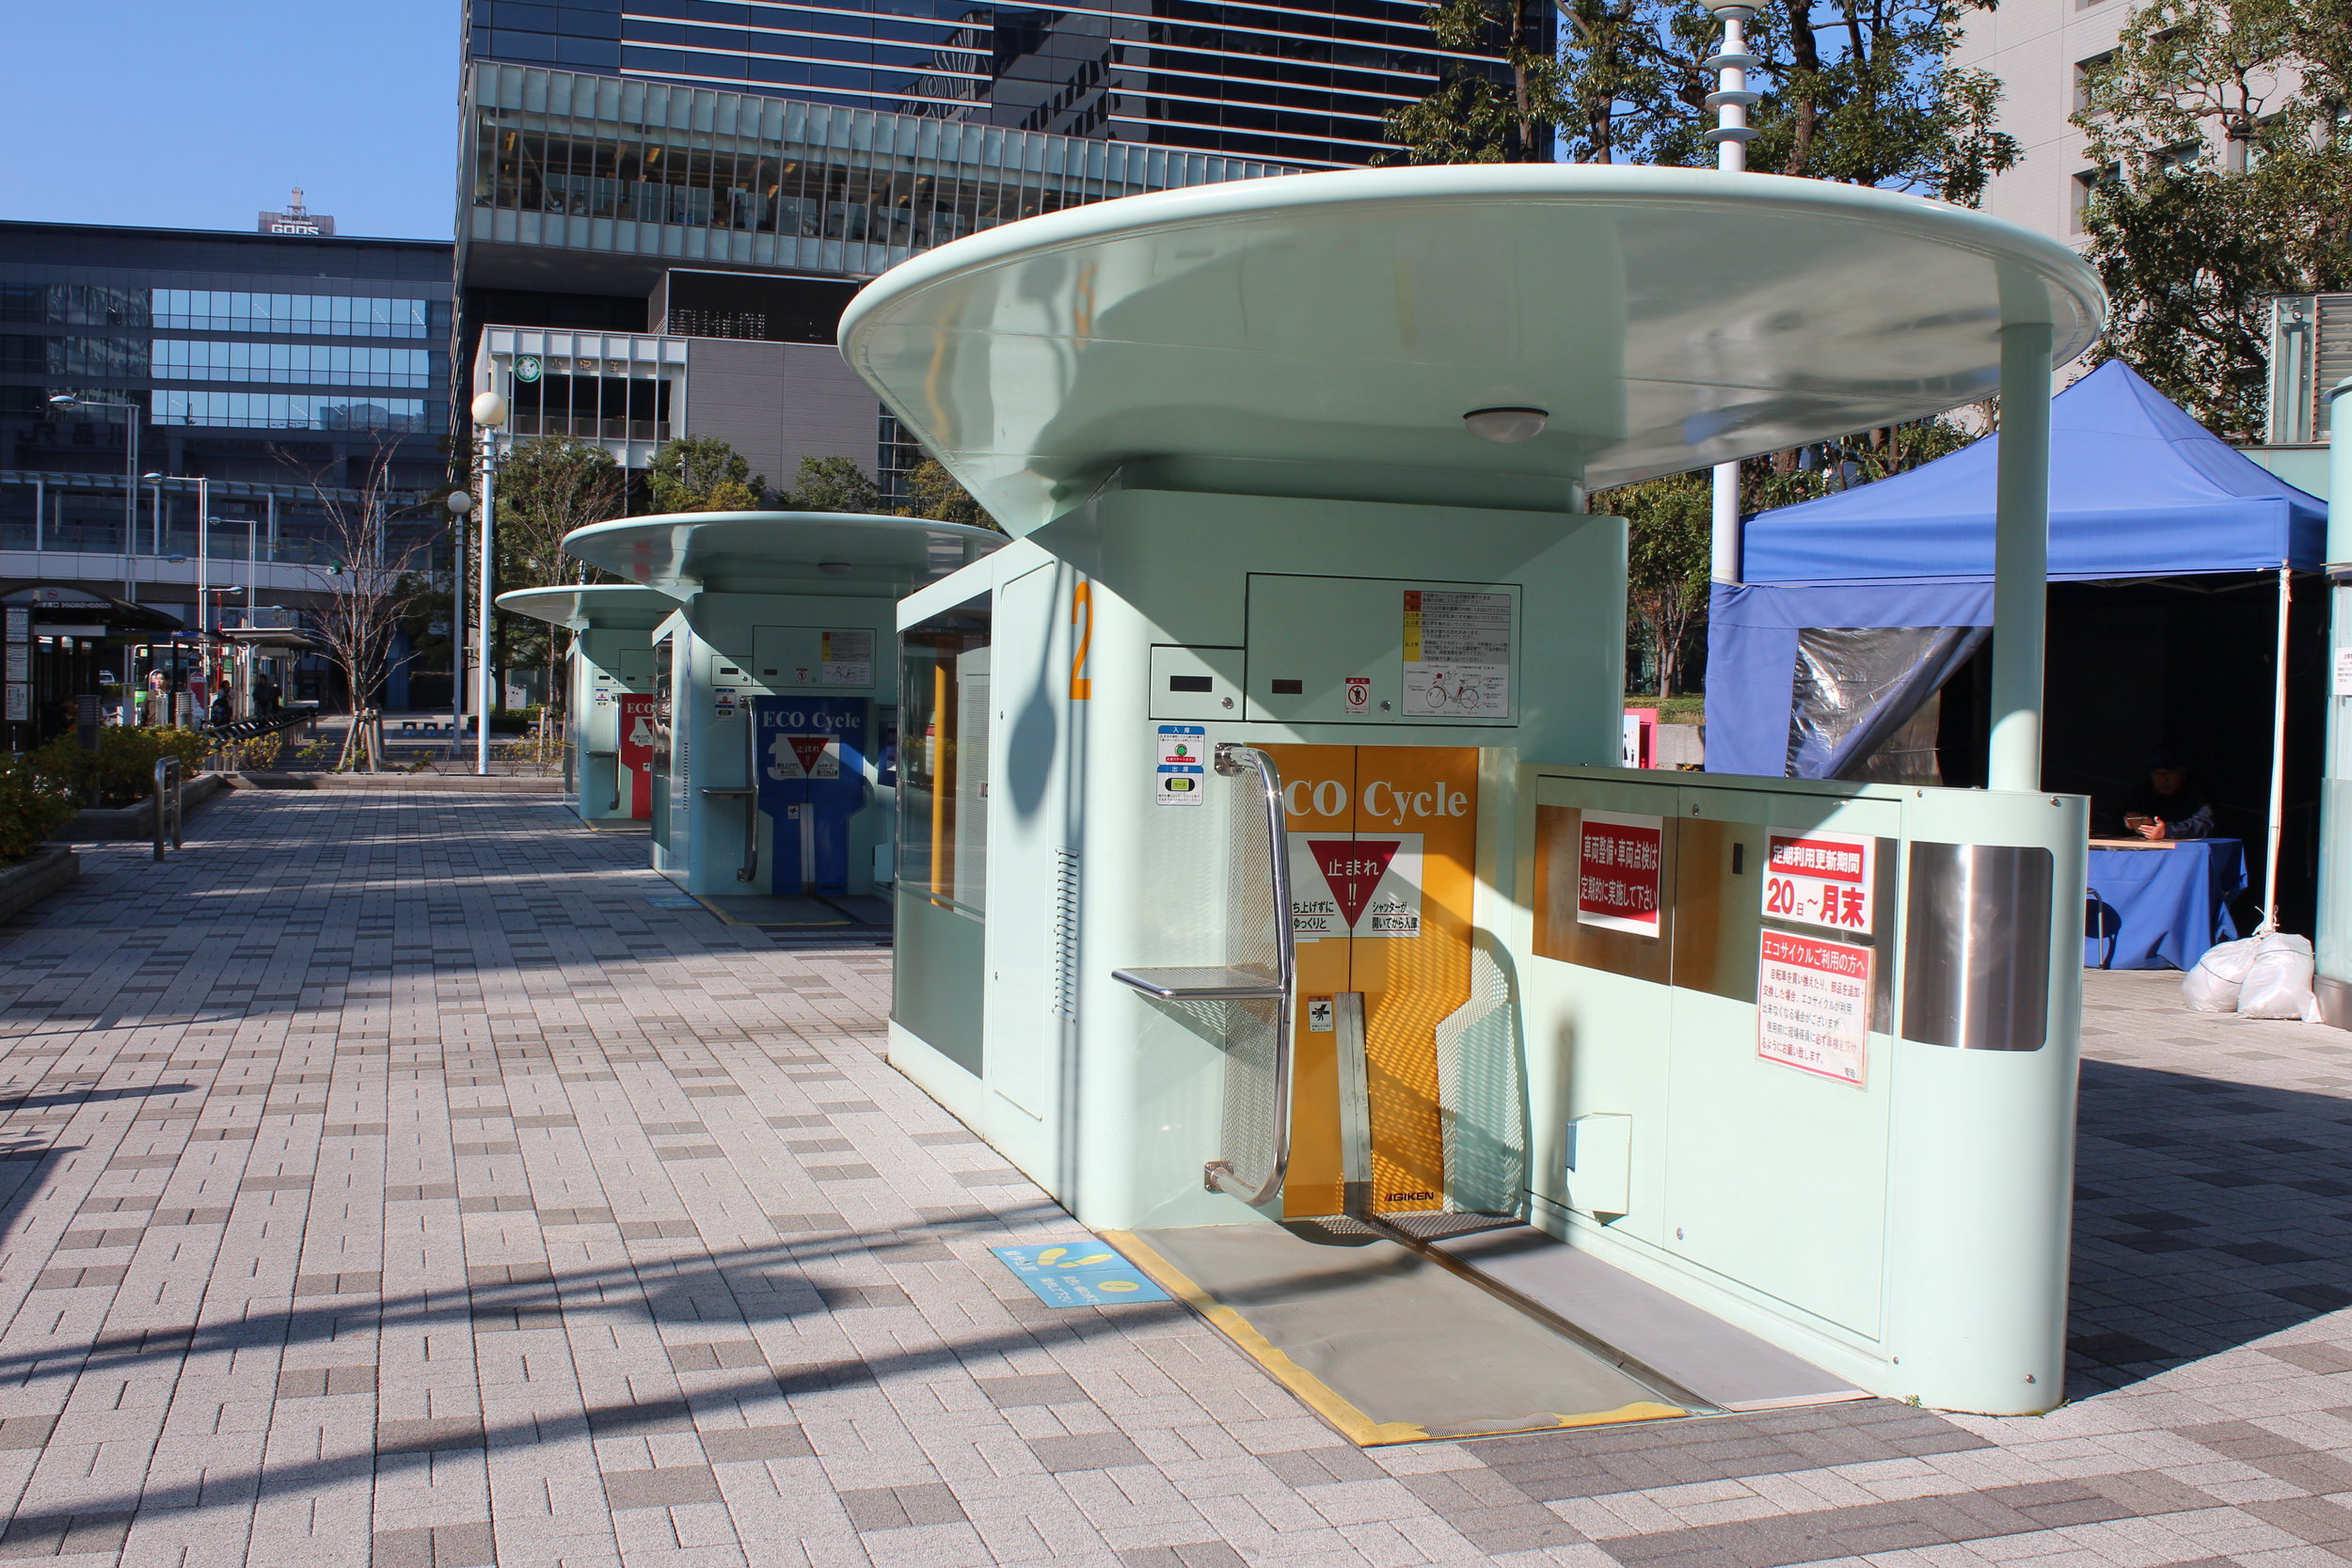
288, 411
295, 315
593, 407
104, 357
295, 364
2086, 72
2087, 184
73, 304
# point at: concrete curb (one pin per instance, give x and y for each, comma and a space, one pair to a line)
460, 784
33, 878
98, 825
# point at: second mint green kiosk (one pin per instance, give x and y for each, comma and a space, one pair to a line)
1267, 890
775, 730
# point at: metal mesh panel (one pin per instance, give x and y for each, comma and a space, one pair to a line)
1249, 1031
1483, 1099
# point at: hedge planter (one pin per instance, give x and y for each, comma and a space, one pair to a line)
464, 784
35, 877
105, 824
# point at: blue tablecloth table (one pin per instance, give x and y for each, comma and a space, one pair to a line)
2161, 908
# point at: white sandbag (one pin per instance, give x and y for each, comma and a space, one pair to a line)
2213, 986
2278, 983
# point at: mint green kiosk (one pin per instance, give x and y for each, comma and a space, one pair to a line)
773, 725
1267, 890
608, 694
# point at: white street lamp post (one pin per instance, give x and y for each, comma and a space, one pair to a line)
459, 503
1731, 135
489, 412
130, 467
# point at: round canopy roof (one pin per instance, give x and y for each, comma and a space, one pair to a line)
1664, 319
683, 553
596, 605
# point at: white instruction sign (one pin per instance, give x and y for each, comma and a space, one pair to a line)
2344, 672
725, 703
1813, 1005
805, 756
1181, 770
1820, 879
1457, 655
845, 658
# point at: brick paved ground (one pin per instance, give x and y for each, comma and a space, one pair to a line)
388, 1180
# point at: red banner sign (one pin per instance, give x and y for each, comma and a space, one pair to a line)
1620, 859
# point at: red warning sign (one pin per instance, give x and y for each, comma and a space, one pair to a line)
1352, 869
1620, 857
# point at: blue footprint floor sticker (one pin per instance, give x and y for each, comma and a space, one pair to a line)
1079, 1274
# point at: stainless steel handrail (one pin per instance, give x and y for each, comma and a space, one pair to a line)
1236, 762
750, 798
172, 770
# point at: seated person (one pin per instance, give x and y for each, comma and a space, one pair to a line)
2168, 806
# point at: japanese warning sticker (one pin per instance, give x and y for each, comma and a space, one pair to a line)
1820, 879
1813, 1005
805, 756
1457, 655
1619, 860
1364, 887
845, 658
1181, 766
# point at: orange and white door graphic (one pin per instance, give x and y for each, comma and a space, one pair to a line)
1383, 848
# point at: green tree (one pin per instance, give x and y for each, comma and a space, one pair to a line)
1857, 93
1669, 528
935, 494
2224, 128
547, 487
1477, 114
702, 473
835, 485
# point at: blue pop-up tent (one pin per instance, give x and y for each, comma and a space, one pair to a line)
1854, 608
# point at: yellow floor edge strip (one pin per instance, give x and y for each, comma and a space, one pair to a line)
1317, 1395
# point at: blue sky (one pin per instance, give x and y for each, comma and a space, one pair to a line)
198, 114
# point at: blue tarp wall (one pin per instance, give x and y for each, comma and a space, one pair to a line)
2138, 490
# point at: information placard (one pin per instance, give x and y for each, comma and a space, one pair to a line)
1820, 879
1620, 857
1813, 1006
1457, 655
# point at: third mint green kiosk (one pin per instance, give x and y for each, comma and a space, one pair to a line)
776, 728
1266, 887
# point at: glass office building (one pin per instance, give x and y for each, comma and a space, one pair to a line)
1296, 82
278, 367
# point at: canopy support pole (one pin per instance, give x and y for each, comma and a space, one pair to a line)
2021, 558
2278, 761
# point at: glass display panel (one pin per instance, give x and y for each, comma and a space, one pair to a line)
942, 761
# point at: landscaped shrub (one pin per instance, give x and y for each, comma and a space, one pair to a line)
121, 772
30, 811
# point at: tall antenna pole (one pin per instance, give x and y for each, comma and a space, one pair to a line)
1730, 101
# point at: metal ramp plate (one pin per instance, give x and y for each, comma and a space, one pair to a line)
790, 911
1384, 1343
1726, 1365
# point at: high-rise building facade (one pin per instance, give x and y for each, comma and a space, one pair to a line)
1304, 82
639, 175
280, 369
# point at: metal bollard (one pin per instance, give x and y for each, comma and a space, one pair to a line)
168, 768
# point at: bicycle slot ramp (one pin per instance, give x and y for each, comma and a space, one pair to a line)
1391, 1343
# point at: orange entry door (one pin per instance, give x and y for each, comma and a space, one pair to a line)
1383, 854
